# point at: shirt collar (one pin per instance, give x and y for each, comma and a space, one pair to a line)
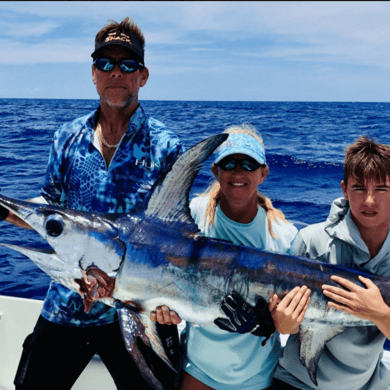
135, 123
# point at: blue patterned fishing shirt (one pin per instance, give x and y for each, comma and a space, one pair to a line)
77, 177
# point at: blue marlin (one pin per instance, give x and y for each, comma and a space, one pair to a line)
158, 257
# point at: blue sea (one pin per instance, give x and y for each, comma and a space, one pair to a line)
304, 143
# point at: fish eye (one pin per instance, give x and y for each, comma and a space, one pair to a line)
54, 225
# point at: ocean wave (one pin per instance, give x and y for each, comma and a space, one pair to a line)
303, 212
304, 141
287, 161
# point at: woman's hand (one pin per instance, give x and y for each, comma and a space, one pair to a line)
289, 312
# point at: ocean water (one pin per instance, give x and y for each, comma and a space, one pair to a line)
304, 145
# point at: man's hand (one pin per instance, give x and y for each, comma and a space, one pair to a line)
289, 312
245, 318
366, 303
164, 316
95, 285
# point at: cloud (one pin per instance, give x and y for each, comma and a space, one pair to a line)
63, 50
24, 29
217, 39
158, 38
338, 32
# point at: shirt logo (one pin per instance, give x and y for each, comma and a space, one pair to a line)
144, 164
114, 37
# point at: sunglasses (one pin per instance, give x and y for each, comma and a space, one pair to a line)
229, 163
107, 65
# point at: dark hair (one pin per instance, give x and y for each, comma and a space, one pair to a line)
366, 159
127, 25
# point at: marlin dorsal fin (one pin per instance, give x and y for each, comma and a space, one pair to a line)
170, 199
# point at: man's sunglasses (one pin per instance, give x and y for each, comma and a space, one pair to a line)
107, 65
229, 163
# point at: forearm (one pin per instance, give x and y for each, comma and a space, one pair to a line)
383, 322
15, 220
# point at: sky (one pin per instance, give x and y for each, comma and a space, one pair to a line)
221, 51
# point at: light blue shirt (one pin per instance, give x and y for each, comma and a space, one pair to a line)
223, 360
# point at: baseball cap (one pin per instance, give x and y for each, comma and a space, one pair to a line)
120, 38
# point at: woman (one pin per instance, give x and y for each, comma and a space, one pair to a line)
233, 209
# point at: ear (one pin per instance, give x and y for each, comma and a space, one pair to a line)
344, 189
144, 75
214, 169
263, 173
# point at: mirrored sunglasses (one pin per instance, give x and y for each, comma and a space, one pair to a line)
107, 65
229, 163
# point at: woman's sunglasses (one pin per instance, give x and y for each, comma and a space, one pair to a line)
107, 65
229, 163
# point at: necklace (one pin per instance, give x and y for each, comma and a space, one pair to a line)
100, 135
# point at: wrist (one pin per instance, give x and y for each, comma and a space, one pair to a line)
295, 330
382, 317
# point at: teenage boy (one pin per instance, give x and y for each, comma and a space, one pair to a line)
354, 235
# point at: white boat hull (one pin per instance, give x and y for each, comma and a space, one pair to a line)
17, 319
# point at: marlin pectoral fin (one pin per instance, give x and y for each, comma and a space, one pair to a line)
132, 327
155, 340
170, 199
313, 340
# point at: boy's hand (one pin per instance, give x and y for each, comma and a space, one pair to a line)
366, 303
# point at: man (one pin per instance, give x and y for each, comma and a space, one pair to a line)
354, 235
106, 161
